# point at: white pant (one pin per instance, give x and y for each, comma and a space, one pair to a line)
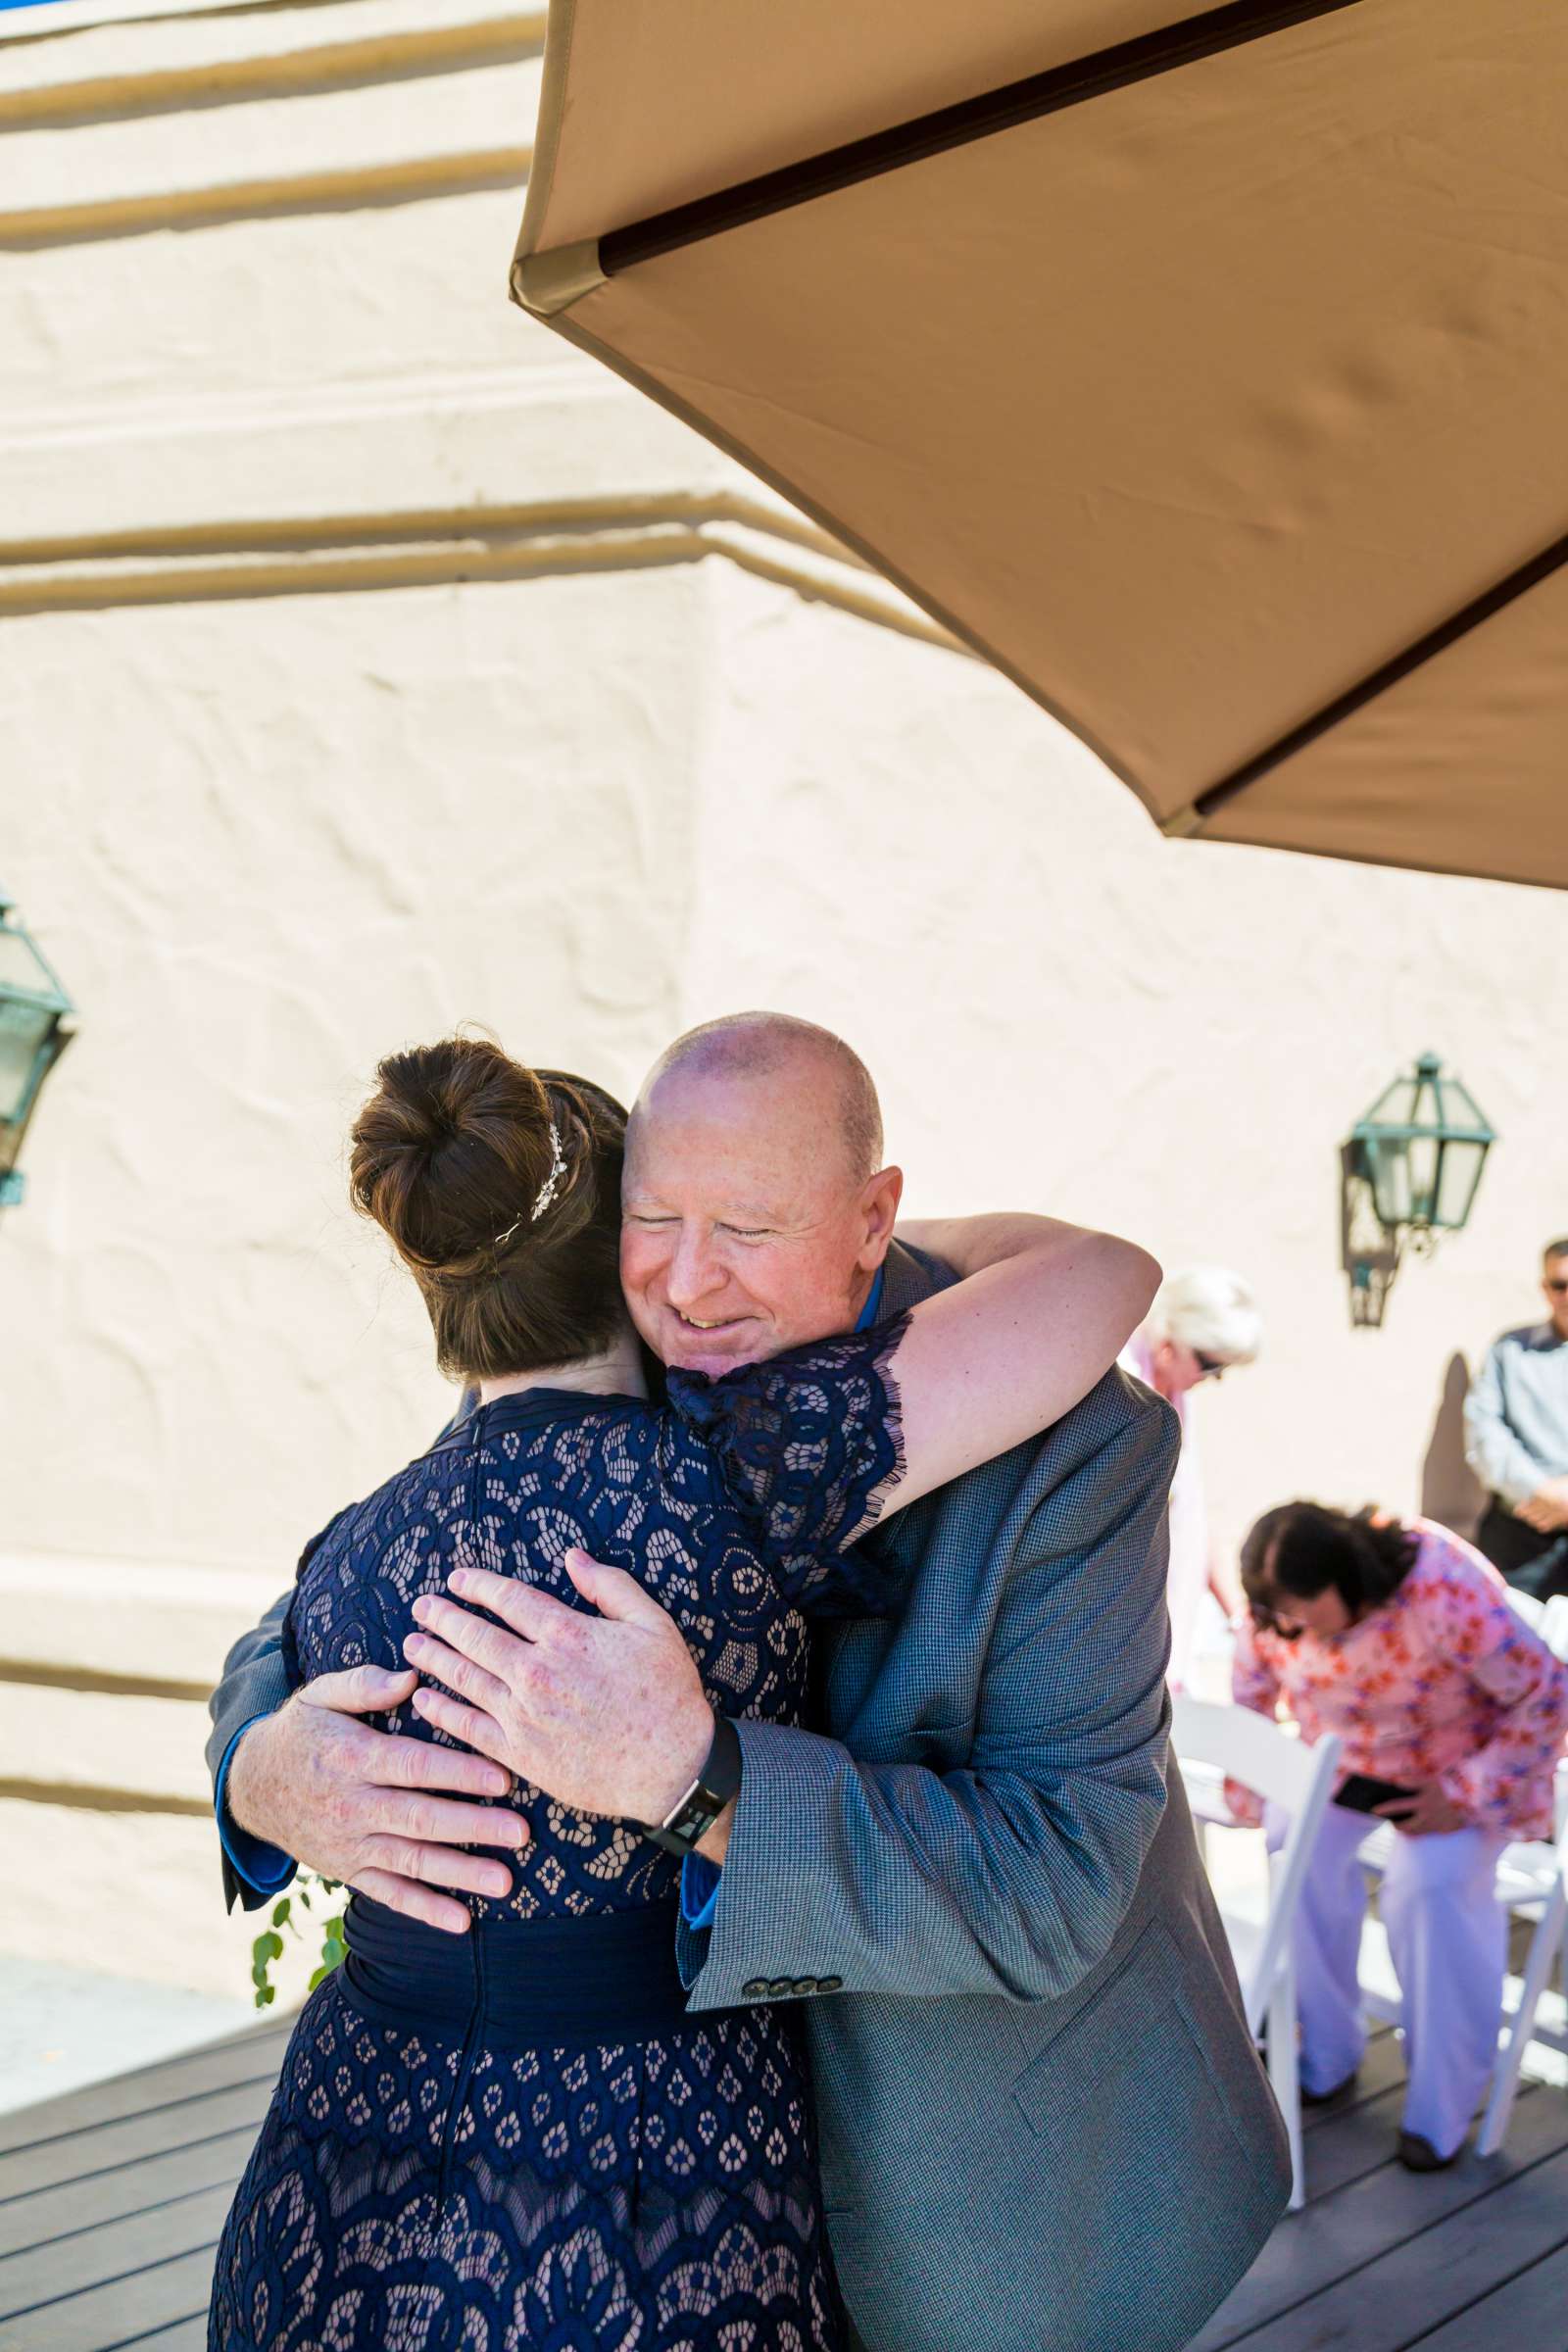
1448, 1939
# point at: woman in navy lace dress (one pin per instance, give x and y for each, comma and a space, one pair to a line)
516, 2136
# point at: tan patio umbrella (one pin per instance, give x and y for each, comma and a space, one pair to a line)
1208, 376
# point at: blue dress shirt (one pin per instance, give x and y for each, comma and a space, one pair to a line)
268, 1870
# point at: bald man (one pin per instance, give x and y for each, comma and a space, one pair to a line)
1043, 2121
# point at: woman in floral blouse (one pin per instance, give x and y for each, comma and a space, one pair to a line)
1400, 1639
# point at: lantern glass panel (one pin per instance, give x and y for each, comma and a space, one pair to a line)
1396, 1106
1460, 1108
22, 966
1425, 1153
1390, 1171
1462, 1162
24, 1030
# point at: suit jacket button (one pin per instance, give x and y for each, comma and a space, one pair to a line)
830, 1984
755, 1989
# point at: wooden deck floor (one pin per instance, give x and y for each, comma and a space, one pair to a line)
111, 2202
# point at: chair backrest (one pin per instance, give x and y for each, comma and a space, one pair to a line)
1553, 1625
1290, 1774
1247, 1747
1527, 1607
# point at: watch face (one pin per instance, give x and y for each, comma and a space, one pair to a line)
702, 1805
680, 1834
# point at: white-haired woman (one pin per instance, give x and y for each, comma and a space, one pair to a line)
1204, 1321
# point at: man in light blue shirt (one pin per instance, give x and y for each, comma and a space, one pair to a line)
1516, 1441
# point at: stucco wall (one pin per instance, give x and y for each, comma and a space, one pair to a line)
279, 839
368, 662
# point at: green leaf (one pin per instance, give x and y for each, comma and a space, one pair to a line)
269, 1992
269, 1946
319, 1977
280, 1912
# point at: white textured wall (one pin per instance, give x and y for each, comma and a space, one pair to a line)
267, 836
279, 839
264, 845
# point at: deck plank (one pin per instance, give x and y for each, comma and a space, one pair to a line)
74, 2206
43, 2273
1397, 2300
1530, 2309
1361, 2140
248, 2058
83, 2155
101, 2316
1339, 2235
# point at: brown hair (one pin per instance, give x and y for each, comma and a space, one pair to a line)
1301, 1549
449, 1155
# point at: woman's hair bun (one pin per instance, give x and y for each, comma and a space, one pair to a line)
480, 1169
450, 1149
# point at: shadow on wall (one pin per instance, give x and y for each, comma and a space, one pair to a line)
1450, 1493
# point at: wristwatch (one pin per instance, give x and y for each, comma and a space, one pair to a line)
705, 1800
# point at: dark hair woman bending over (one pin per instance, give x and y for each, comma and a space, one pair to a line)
1399, 1638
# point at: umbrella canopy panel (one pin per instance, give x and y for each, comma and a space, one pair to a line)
1219, 400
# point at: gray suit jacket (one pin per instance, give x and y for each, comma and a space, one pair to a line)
1042, 2122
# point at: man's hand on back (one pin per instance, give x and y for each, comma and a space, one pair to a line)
605, 1714
361, 1806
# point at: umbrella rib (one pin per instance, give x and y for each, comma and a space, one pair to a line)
1345, 706
1116, 67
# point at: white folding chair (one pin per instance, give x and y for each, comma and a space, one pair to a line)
1553, 1625
1212, 1742
1532, 1879
1526, 1605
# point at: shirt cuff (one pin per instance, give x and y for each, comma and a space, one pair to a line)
265, 1868
700, 1881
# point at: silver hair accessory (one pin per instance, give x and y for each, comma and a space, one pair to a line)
546, 1193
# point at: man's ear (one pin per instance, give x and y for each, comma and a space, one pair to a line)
879, 1206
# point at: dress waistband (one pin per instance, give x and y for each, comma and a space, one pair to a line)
553, 1984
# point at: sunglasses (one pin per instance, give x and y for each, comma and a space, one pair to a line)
1209, 1367
1557, 1282
1265, 1619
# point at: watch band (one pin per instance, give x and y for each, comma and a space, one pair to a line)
705, 1800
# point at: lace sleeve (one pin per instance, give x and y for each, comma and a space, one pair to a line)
806, 1447
290, 1631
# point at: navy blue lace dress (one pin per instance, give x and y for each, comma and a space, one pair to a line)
518, 2137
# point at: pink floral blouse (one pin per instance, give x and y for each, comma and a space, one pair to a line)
1444, 1683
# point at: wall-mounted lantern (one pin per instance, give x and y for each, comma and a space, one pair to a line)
33, 1008
1409, 1171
